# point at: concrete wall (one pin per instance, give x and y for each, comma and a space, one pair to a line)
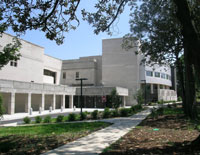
120, 67
29, 67
54, 65
86, 68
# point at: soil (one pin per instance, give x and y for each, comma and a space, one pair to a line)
168, 134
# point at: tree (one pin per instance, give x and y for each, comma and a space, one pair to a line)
139, 96
115, 99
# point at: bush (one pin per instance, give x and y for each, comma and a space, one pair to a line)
72, 117
179, 98
154, 113
47, 119
136, 108
27, 120
124, 112
38, 119
160, 102
59, 118
115, 113
139, 96
94, 114
106, 113
83, 115
160, 111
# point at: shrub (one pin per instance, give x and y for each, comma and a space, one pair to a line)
59, 118
160, 111
72, 117
139, 96
38, 119
94, 114
115, 113
160, 102
115, 99
179, 98
154, 113
136, 108
47, 119
27, 120
83, 115
106, 113
124, 112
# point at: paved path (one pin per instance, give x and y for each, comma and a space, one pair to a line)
99, 140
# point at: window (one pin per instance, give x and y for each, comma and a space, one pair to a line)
64, 75
77, 75
149, 73
167, 76
13, 63
157, 74
163, 75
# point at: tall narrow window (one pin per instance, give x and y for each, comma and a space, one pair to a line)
77, 75
64, 75
157, 74
13, 63
163, 75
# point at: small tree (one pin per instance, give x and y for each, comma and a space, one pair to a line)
115, 99
2, 109
139, 96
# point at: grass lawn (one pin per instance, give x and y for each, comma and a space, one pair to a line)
41, 138
166, 133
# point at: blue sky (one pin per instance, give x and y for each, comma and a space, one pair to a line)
82, 41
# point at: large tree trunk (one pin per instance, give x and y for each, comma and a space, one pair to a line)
180, 72
189, 32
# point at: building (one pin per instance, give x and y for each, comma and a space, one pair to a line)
39, 81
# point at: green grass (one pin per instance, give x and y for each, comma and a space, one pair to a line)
41, 138
51, 129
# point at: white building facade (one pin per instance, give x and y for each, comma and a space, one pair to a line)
40, 82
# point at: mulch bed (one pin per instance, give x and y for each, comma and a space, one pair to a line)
169, 134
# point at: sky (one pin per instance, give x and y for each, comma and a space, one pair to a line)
80, 42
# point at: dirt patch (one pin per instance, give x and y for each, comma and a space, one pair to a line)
169, 134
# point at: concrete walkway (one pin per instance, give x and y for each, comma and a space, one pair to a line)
99, 140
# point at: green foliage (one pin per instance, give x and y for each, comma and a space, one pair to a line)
27, 120
59, 118
2, 109
115, 99
136, 108
124, 112
160, 111
160, 102
139, 96
106, 113
83, 115
47, 119
38, 119
72, 117
154, 113
94, 114
179, 98
115, 113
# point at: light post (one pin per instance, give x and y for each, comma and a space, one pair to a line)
81, 79
145, 96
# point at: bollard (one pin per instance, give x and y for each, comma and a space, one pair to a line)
40, 110
50, 109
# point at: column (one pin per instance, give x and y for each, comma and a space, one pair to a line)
43, 101
11, 104
63, 102
71, 101
54, 102
28, 105
124, 101
151, 88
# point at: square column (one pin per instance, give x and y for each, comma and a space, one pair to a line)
151, 88
28, 105
43, 102
124, 101
71, 101
11, 104
63, 102
54, 102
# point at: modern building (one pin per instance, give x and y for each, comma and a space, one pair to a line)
39, 81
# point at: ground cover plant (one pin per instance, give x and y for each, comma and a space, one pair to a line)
38, 139
170, 132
